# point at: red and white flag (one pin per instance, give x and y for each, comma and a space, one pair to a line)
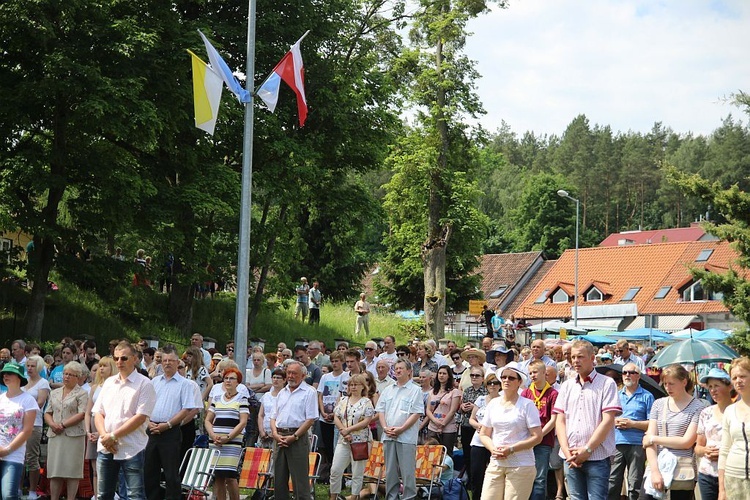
291, 70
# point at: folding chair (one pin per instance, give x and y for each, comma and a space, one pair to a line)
255, 470
374, 468
430, 465
199, 465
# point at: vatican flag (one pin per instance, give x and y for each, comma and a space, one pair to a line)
207, 87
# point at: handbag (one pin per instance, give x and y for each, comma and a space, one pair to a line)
683, 476
360, 451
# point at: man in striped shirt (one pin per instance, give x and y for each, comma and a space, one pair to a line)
586, 408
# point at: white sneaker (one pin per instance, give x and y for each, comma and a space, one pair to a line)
33, 495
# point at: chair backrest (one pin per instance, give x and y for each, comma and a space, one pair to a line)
430, 461
256, 464
313, 467
314, 442
375, 465
201, 463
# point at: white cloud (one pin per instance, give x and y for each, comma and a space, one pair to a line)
623, 63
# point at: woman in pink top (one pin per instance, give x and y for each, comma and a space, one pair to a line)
442, 406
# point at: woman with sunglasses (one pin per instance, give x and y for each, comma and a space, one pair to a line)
734, 454
225, 425
458, 367
441, 410
476, 359
479, 456
510, 430
465, 410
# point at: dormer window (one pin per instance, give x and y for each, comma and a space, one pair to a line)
594, 295
560, 297
693, 292
704, 255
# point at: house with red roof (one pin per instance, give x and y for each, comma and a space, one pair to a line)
631, 286
693, 233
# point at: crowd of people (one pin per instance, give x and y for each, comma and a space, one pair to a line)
506, 414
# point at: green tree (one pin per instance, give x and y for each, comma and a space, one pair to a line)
441, 88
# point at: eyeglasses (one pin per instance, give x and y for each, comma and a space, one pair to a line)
494, 382
121, 358
508, 377
475, 375
456, 358
630, 372
229, 349
230, 378
279, 377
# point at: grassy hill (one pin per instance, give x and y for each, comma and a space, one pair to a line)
137, 312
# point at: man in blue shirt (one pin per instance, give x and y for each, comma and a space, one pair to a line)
629, 429
497, 325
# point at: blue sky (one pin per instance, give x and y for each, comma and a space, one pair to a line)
623, 63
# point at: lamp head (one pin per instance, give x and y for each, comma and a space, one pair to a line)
563, 193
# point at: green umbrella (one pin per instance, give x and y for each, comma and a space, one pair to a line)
693, 351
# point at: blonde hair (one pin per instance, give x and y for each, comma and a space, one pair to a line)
743, 362
106, 360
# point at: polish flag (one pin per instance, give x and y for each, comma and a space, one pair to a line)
291, 70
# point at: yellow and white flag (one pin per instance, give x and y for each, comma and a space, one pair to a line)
207, 87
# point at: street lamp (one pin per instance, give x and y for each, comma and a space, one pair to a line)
565, 194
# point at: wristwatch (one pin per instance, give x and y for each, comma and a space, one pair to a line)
589, 450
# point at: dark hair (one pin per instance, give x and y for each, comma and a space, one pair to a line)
455, 352
150, 351
300, 347
280, 372
448, 383
353, 352
403, 348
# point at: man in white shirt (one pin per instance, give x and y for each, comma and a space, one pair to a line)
370, 360
398, 410
623, 356
121, 414
175, 400
295, 412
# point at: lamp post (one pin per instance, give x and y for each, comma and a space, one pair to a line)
565, 194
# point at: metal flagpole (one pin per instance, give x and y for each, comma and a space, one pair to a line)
243, 261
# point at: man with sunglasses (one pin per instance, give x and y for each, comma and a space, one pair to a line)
629, 429
121, 414
370, 361
623, 356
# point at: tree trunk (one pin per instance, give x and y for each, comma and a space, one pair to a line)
180, 311
44, 250
267, 258
433, 260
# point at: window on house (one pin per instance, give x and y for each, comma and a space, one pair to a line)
704, 255
594, 295
693, 293
500, 290
663, 291
630, 294
542, 297
560, 297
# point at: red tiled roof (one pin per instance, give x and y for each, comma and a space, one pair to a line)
649, 267
504, 269
654, 236
527, 287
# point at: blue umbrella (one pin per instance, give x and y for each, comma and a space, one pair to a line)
597, 340
711, 334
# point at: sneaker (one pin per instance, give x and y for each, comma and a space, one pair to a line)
33, 495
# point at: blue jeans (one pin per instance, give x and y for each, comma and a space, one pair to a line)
541, 457
109, 469
10, 479
590, 481
708, 486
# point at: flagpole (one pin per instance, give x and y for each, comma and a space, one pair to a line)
243, 261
